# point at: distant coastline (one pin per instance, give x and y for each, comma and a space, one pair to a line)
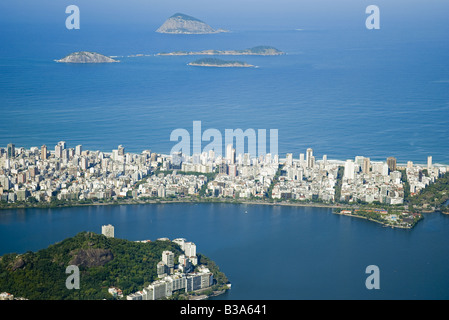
208, 62
255, 51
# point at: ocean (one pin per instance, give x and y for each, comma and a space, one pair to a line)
342, 92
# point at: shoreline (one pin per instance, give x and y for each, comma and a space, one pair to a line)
372, 220
245, 202
194, 201
175, 201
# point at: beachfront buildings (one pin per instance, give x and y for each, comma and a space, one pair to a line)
369, 181
306, 179
37, 175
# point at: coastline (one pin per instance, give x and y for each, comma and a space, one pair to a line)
193, 201
219, 53
372, 220
222, 66
174, 201
337, 208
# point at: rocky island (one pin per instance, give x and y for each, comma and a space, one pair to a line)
86, 57
255, 51
210, 62
180, 23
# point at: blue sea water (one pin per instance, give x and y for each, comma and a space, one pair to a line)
341, 89
344, 92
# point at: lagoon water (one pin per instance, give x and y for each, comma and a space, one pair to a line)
341, 89
267, 252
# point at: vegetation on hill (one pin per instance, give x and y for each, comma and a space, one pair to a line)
263, 50
217, 62
103, 263
434, 195
185, 17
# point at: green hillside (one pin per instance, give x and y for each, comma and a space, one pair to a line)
103, 262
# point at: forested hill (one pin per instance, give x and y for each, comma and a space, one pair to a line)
103, 262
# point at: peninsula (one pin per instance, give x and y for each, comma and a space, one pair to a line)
113, 269
180, 23
210, 62
86, 57
255, 51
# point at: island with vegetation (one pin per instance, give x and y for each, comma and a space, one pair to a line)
180, 23
255, 51
86, 57
103, 262
211, 62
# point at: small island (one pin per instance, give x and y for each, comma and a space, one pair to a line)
255, 51
210, 62
86, 57
112, 269
180, 23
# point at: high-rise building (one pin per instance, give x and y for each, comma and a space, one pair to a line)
268, 158
4, 182
180, 242
229, 148
44, 152
58, 151
391, 162
232, 170
121, 150
349, 170
289, 159
429, 163
108, 231
65, 154
84, 163
11, 153
409, 164
366, 165
309, 158
161, 269
223, 168
233, 157
325, 160
63, 144
177, 160
168, 258
190, 249
385, 169
301, 160
211, 154
78, 150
